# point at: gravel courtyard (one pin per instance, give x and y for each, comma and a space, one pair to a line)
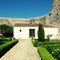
23, 50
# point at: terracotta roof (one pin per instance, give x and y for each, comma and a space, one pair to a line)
29, 25
25, 24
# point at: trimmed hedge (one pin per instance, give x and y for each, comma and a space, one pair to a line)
50, 44
36, 43
47, 48
45, 55
47, 42
6, 46
4, 40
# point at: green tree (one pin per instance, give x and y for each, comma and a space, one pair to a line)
41, 34
6, 30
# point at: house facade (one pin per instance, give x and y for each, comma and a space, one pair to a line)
29, 30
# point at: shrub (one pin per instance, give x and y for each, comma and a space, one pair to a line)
6, 31
6, 46
48, 37
41, 35
45, 55
53, 48
35, 42
13, 39
56, 53
47, 43
4, 40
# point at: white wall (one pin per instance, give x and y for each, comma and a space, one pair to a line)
24, 34
51, 31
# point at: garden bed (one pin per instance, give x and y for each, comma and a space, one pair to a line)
6, 46
45, 55
4, 40
52, 47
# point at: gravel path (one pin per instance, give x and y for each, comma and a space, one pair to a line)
23, 50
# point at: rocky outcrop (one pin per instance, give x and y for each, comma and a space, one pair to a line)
53, 17
12, 21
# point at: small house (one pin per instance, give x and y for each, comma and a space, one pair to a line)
29, 30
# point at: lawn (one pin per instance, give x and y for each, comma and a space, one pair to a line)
6, 44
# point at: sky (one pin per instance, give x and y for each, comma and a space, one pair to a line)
24, 8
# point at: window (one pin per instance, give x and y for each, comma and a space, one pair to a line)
20, 30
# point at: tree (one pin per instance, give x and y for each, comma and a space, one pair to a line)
41, 34
6, 30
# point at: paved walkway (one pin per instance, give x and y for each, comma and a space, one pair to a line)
23, 50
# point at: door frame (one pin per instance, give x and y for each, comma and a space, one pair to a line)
31, 33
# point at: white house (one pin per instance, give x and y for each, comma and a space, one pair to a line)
29, 30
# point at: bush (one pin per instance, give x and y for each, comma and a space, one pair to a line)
56, 53
6, 31
41, 34
47, 43
53, 48
48, 37
4, 40
6, 46
45, 55
35, 42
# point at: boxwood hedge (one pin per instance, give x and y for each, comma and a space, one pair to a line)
45, 55
4, 40
6, 46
